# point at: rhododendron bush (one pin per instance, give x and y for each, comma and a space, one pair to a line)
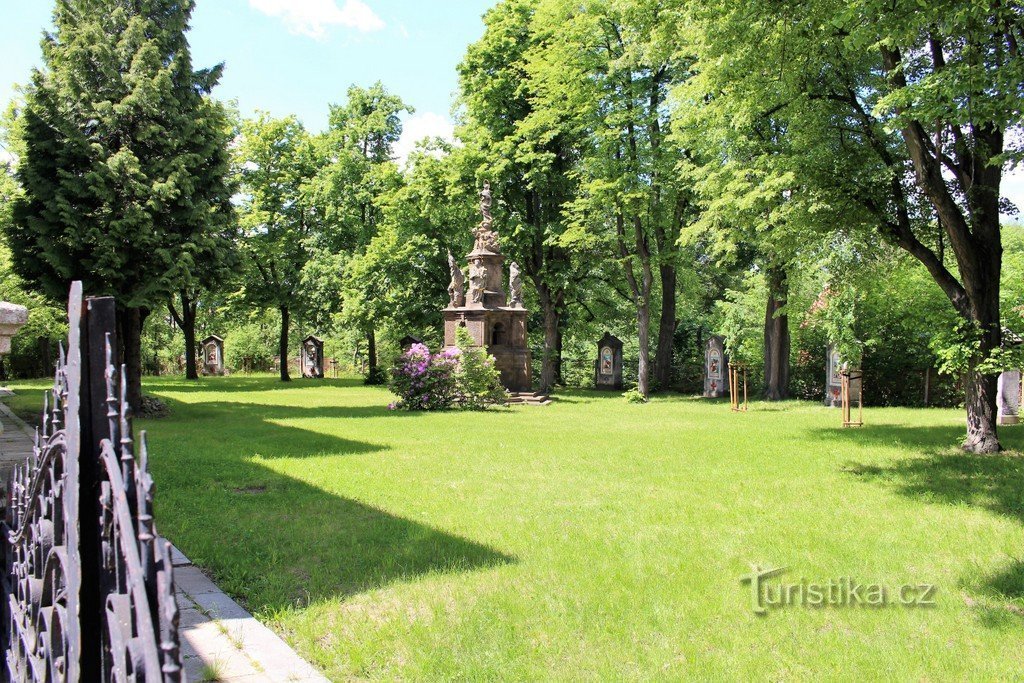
464, 377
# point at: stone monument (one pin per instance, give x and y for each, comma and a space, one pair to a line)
12, 318
833, 378
312, 360
1008, 397
716, 366
608, 366
408, 341
213, 355
484, 311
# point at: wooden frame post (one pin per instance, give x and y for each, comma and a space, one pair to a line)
848, 377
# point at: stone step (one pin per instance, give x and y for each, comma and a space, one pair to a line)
529, 399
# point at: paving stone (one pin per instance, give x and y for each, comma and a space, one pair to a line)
215, 630
189, 579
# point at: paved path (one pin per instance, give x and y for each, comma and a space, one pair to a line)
219, 639
15, 441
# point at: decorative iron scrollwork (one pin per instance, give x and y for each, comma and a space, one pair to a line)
59, 560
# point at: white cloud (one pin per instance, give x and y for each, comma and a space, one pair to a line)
420, 126
313, 17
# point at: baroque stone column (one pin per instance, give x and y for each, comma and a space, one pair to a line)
484, 310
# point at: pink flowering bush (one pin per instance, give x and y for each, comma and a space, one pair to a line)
465, 377
424, 381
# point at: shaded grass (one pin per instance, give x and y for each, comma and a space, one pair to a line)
593, 538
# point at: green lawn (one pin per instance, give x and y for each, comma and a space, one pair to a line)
592, 539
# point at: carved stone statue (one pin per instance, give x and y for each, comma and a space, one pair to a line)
486, 237
515, 283
486, 202
457, 288
477, 280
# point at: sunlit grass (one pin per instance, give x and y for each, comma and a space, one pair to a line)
592, 538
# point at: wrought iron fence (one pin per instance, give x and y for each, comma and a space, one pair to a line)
88, 587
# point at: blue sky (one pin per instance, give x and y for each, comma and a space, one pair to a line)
298, 56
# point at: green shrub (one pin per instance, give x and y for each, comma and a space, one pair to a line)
249, 348
477, 380
634, 396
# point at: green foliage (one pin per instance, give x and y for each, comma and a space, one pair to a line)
34, 347
123, 157
477, 379
741, 313
634, 396
274, 161
250, 347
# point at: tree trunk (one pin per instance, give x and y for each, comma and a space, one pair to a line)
666, 329
371, 357
188, 328
982, 388
552, 353
46, 354
643, 320
130, 324
776, 338
282, 349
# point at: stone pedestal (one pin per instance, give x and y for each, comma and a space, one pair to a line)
1008, 397
12, 318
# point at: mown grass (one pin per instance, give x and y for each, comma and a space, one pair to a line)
592, 539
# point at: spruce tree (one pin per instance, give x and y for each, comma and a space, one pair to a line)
124, 164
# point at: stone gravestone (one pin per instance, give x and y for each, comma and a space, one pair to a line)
1008, 398
213, 355
833, 378
484, 309
409, 341
312, 361
716, 368
608, 366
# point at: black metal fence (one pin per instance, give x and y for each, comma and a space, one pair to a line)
88, 584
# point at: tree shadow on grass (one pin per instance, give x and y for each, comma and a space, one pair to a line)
243, 384
997, 598
994, 483
274, 541
941, 473
936, 469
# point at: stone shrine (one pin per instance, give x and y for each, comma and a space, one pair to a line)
494, 322
608, 366
1008, 397
213, 355
312, 359
833, 378
716, 367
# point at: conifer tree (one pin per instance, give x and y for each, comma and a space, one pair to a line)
124, 162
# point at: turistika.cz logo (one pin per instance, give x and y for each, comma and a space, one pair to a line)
767, 594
